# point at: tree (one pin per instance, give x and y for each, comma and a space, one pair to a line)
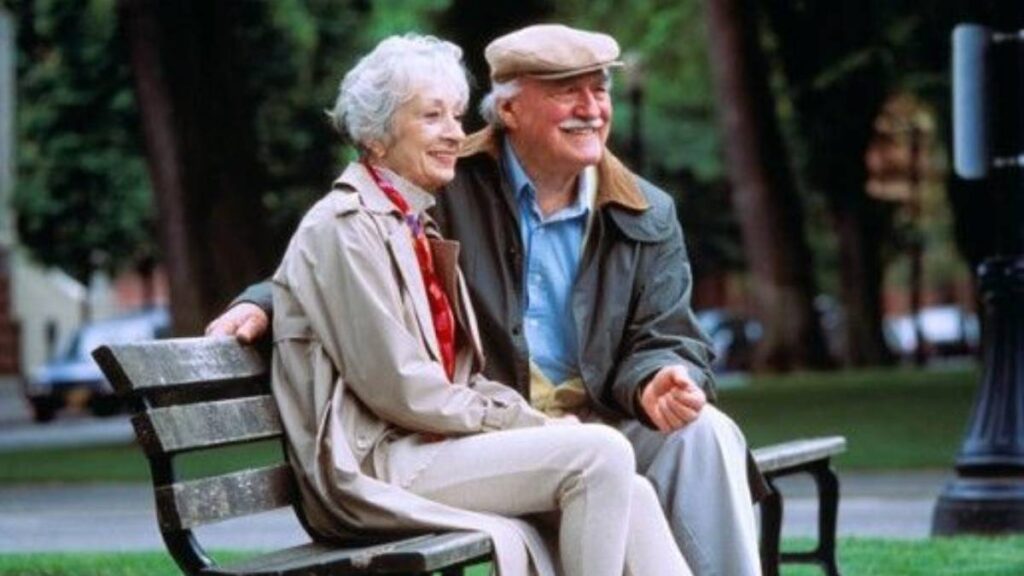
764, 191
186, 58
232, 96
82, 198
841, 61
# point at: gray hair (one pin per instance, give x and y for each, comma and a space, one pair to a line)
388, 77
500, 91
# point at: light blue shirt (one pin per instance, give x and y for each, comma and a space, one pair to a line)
552, 246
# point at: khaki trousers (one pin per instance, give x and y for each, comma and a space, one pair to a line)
700, 474
610, 523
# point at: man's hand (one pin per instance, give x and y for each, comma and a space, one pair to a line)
671, 399
245, 321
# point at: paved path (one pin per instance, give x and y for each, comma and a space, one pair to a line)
66, 432
121, 516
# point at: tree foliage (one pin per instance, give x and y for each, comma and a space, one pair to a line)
838, 63
82, 196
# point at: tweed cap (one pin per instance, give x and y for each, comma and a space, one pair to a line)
550, 52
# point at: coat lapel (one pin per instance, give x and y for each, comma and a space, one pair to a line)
446, 259
400, 246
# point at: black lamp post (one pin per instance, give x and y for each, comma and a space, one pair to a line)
987, 496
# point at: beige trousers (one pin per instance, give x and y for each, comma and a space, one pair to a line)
611, 521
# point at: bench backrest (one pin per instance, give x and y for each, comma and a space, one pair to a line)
196, 394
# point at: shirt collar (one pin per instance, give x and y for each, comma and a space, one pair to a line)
520, 182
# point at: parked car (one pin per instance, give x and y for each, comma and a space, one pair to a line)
947, 331
72, 377
733, 338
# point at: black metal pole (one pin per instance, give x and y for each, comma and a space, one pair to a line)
987, 496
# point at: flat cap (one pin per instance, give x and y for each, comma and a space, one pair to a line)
549, 52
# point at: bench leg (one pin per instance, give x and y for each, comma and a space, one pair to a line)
771, 530
824, 554
828, 512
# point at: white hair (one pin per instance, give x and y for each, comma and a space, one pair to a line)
500, 91
388, 77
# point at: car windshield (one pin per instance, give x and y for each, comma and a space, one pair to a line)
118, 331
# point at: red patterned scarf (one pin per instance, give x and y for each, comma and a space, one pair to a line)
440, 308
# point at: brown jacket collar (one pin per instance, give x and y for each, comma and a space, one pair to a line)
616, 184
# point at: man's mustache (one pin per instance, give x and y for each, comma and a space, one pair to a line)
580, 123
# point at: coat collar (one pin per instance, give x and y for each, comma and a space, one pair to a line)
399, 242
616, 184
357, 177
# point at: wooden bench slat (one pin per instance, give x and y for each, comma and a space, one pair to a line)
192, 503
788, 454
162, 364
443, 550
199, 426
411, 555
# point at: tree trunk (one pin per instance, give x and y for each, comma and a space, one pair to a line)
860, 274
188, 69
765, 196
836, 119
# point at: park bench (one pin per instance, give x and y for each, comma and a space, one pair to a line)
199, 394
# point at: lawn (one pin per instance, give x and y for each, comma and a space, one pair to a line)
124, 463
936, 557
893, 419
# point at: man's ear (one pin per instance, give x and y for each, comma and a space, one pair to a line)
507, 113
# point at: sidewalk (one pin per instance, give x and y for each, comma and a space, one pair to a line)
66, 517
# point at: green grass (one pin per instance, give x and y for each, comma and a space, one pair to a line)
857, 557
892, 419
124, 463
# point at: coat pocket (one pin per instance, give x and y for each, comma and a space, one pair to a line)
363, 429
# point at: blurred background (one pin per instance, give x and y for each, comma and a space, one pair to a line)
155, 157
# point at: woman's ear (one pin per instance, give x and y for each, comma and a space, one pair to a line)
376, 149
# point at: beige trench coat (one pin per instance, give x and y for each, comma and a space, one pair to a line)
356, 372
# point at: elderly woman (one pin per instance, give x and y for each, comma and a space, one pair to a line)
376, 359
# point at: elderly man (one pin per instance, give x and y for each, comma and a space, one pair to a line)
582, 285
